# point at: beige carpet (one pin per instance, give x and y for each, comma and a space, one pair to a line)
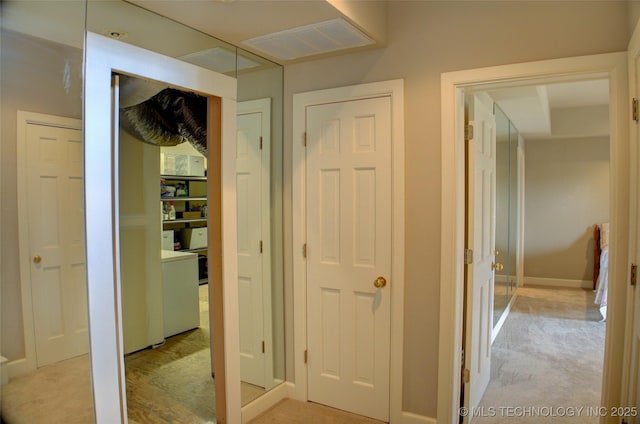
291, 411
169, 384
547, 360
549, 354
58, 393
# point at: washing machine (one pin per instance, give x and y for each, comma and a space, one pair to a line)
180, 292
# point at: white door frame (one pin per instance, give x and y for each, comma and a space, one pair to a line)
104, 56
263, 107
28, 363
301, 101
630, 378
612, 66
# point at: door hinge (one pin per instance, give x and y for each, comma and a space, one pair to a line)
634, 274
466, 375
304, 250
468, 256
263, 346
634, 110
306, 356
260, 246
468, 132
260, 142
304, 140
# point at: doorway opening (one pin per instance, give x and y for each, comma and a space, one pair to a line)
611, 67
549, 184
105, 57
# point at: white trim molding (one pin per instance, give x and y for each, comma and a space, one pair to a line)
611, 66
394, 89
103, 58
411, 418
557, 282
505, 314
631, 375
267, 400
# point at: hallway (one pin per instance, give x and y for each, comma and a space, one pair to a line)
546, 362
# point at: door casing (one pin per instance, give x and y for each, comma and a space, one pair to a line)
611, 66
631, 378
104, 57
301, 101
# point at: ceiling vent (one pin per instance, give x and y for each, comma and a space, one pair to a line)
220, 60
322, 37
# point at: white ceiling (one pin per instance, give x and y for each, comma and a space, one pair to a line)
277, 30
547, 111
562, 110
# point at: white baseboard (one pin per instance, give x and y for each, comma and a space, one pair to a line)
20, 367
4, 373
411, 418
503, 318
558, 282
501, 278
266, 401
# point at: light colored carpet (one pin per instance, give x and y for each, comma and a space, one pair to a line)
291, 411
57, 393
169, 384
547, 357
548, 354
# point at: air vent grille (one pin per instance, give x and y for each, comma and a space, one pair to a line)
322, 37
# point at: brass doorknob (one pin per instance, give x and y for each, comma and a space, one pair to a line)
380, 282
37, 259
497, 266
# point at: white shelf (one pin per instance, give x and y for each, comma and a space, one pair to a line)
184, 224
183, 178
202, 249
182, 199
183, 220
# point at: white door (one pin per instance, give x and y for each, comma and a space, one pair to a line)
56, 240
348, 251
254, 294
481, 170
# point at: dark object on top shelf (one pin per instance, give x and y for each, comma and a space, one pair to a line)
169, 118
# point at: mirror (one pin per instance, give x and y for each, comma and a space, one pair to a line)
514, 211
261, 299
42, 87
260, 283
31, 81
165, 296
506, 214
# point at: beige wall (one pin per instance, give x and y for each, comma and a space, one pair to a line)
634, 14
33, 80
424, 40
566, 193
